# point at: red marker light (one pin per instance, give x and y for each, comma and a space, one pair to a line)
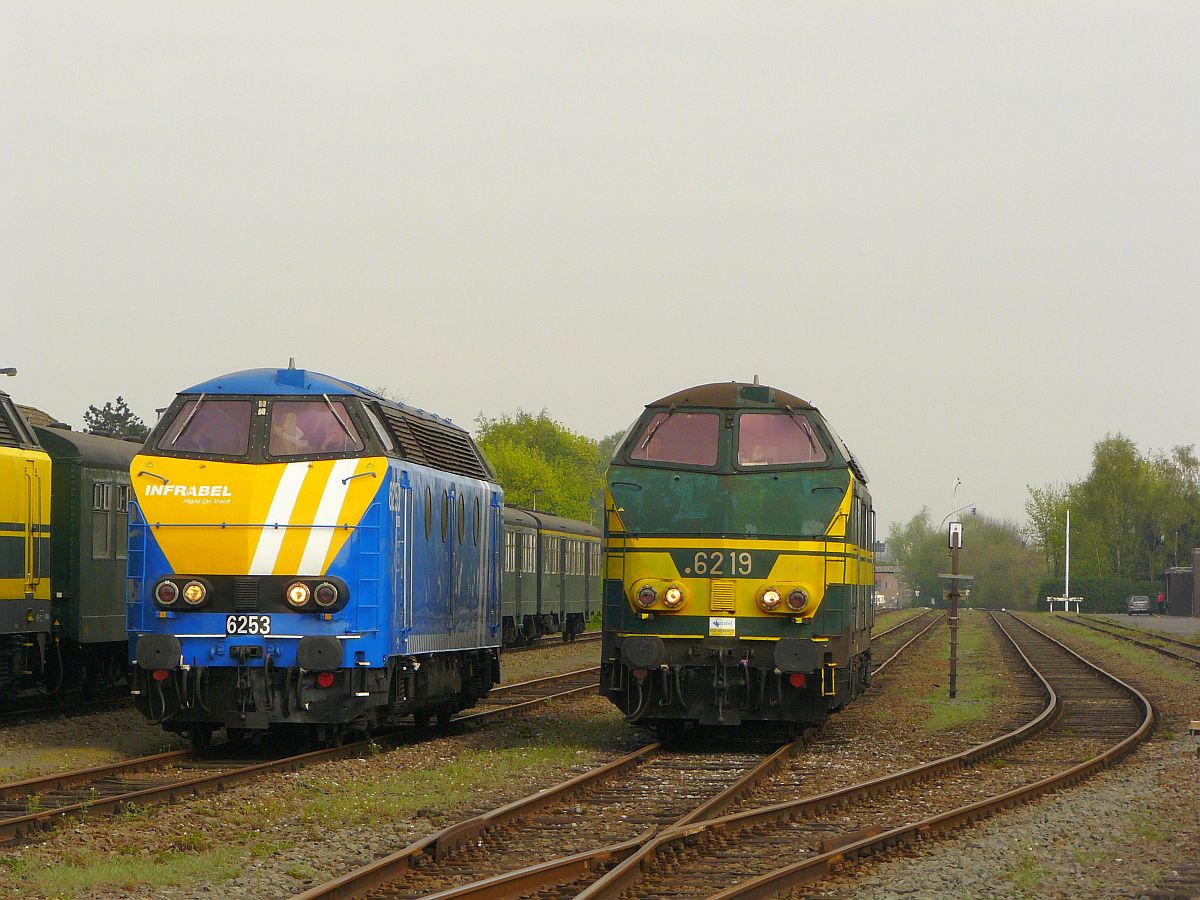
324, 679
797, 679
161, 675
640, 674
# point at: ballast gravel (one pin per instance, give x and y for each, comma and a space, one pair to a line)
1120, 834
1072, 839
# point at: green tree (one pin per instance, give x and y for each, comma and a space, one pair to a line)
921, 553
1046, 510
543, 465
1131, 517
1006, 569
114, 419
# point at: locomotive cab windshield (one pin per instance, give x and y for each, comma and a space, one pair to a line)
727, 441
268, 429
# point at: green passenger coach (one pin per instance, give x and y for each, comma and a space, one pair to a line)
90, 510
739, 565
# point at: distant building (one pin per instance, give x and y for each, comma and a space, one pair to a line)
887, 585
1183, 588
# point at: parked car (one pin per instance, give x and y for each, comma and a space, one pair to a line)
1139, 604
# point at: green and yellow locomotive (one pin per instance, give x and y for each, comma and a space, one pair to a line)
739, 567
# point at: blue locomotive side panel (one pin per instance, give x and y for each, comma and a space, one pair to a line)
446, 549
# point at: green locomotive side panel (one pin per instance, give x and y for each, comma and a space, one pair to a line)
662, 501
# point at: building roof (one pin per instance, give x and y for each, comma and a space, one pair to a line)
35, 416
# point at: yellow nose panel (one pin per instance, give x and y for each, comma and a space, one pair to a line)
254, 519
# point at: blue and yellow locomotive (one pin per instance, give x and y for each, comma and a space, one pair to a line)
739, 563
307, 554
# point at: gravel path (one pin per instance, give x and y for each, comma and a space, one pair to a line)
1118, 835
1185, 627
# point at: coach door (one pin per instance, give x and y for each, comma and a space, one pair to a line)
401, 504
33, 528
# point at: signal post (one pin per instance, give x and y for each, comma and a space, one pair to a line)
955, 539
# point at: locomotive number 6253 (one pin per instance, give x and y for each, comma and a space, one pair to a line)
247, 624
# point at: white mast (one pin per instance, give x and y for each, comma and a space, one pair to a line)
1067, 585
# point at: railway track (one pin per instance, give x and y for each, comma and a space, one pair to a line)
29, 806
887, 645
589, 823
554, 640
1088, 720
1184, 651
32, 708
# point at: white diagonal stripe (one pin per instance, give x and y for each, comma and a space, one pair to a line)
284, 501
327, 515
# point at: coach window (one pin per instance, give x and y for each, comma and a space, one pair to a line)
476, 524
677, 437
206, 425
428, 512
528, 552
445, 515
510, 551
777, 439
101, 520
307, 427
462, 519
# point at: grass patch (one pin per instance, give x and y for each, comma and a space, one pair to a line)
1148, 827
891, 617
1028, 874
532, 754
977, 683
91, 871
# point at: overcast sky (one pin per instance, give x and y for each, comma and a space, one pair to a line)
968, 232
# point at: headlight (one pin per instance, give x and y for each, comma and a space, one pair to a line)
673, 596
326, 594
797, 600
166, 593
769, 599
194, 593
647, 597
298, 594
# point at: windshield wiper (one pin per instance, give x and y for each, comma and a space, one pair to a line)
653, 428
332, 409
803, 425
188, 420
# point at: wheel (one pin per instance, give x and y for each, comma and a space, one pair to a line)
233, 735
201, 735
443, 716
421, 719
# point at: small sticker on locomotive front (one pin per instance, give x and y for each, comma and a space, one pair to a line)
722, 626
